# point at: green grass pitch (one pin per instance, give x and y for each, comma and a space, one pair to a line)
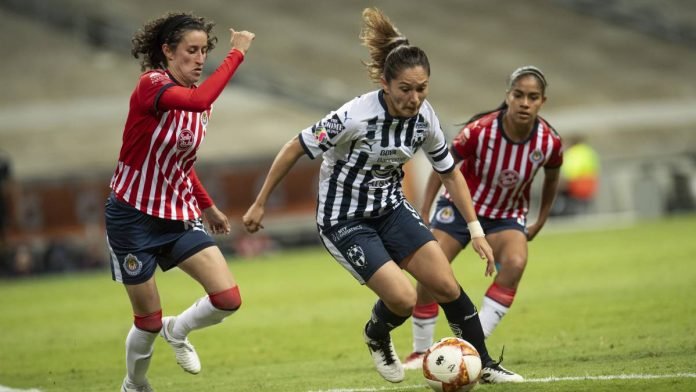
609, 302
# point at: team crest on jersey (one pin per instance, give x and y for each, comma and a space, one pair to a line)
418, 139
536, 156
508, 178
445, 215
204, 119
185, 140
356, 256
132, 265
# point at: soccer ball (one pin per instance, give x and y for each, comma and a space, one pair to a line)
452, 365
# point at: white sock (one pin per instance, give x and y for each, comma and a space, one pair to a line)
139, 347
200, 315
423, 332
490, 315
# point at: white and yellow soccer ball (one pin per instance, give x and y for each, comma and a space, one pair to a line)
452, 365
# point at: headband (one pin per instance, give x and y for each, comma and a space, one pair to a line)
526, 70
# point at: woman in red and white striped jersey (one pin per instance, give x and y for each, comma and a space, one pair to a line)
154, 213
500, 152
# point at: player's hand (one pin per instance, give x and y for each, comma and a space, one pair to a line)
241, 40
253, 217
217, 221
533, 230
484, 250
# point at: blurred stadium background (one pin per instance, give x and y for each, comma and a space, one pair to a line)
621, 75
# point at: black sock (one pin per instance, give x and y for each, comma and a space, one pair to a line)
382, 321
465, 324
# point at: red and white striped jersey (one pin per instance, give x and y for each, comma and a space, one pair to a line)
498, 171
161, 136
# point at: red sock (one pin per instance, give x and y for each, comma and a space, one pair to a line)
229, 299
426, 311
150, 322
501, 295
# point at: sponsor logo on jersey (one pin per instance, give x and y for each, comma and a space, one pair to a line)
508, 178
333, 126
445, 215
157, 78
536, 156
185, 140
204, 119
356, 256
132, 265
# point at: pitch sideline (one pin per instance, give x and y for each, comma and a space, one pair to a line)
529, 380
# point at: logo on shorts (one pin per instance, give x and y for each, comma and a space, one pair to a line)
356, 256
445, 215
185, 140
132, 265
536, 156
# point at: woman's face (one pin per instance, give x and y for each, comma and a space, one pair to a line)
405, 93
186, 61
524, 100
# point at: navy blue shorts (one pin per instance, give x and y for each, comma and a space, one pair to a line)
139, 242
363, 245
448, 219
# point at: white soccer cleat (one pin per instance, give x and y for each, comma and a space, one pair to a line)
128, 386
185, 353
414, 361
386, 361
494, 373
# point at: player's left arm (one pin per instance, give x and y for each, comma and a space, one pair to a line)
548, 193
216, 219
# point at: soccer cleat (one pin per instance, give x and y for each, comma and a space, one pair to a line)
186, 355
128, 386
494, 373
386, 361
414, 361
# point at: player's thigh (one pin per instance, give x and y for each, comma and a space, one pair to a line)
209, 268
429, 266
144, 297
394, 288
510, 250
450, 245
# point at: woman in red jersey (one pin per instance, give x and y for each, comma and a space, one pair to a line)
500, 153
154, 213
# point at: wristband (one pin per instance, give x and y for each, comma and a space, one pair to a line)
475, 229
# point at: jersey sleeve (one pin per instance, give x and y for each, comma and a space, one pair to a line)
172, 96
335, 128
435, 148
556, 157
464, 145
199, 192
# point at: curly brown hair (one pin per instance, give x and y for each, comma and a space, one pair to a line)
389, 50
167, 29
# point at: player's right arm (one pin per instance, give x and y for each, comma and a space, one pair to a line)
201, 98
283, 162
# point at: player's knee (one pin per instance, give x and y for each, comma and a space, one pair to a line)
229, 299
446, 291
150, 322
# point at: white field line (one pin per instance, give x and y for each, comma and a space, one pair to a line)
8, 389
529, 380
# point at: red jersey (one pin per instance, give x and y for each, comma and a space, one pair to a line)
498, 171
166, 124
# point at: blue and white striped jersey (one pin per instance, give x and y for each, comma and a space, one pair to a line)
364, 150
